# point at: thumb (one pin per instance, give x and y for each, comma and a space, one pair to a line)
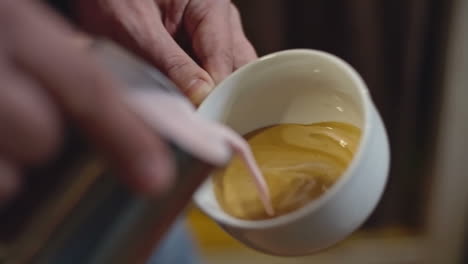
170, 58
138, 26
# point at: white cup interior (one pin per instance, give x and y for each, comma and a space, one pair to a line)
294, 86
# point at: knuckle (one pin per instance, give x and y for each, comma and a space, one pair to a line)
221, 2
235, 11
201, 8
223, 55
217, 5
176, 64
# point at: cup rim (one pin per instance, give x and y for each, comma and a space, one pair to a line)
314, 205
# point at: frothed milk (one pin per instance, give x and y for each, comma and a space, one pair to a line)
210, 141
299, 162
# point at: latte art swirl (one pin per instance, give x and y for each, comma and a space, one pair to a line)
299, 163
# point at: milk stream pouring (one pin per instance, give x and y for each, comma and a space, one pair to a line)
75, 211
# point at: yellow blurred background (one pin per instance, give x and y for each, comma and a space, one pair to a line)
391, 243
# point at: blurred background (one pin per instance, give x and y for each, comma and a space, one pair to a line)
412, 54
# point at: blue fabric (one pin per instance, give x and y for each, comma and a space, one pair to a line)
176, 248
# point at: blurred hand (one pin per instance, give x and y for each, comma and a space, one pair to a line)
44, 77
153, 27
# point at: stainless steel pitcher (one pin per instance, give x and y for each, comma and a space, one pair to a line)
75, 211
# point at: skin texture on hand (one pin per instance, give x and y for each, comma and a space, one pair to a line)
45, 76
210, 30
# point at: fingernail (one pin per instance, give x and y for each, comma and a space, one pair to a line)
156, 175
198, 91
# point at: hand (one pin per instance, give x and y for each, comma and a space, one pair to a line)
45, 76
151, 28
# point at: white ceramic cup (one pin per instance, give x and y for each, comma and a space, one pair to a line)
302, 86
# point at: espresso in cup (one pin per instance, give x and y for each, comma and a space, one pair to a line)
299, 163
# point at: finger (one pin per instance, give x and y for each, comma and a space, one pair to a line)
92, 99
142, 30
30, 129
81, 40
211, 34
167, 55
242, 48
10, 180
173, 14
